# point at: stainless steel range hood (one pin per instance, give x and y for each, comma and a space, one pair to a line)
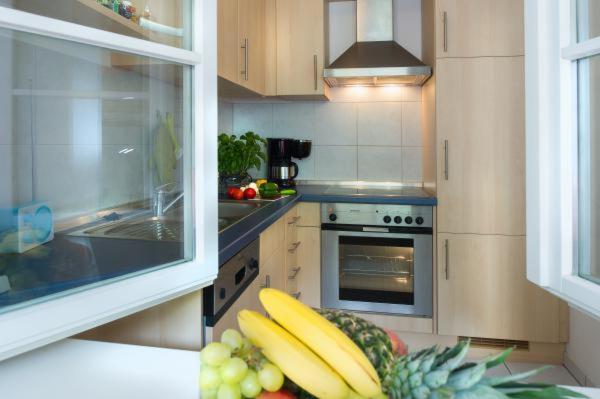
376, 59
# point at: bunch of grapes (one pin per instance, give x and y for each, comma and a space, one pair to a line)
234, 368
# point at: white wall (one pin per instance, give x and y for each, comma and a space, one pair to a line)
583, 349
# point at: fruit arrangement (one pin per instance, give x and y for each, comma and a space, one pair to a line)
303, 353
262, 187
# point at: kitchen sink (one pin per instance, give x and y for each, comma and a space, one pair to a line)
151, 228
231, 211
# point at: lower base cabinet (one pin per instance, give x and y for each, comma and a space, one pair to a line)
309, 265
483, 291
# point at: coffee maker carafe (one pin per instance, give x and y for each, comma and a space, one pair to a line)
281, 169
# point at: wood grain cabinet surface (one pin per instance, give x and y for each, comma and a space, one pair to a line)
481, 28
484, 292
481, 145
300, 47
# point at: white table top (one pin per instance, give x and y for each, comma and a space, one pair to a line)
74, 369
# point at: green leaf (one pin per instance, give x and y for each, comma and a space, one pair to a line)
494, 381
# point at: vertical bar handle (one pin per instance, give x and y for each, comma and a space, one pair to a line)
316, 66
267, 283
446, 162
245, 48
447, 249
445, 22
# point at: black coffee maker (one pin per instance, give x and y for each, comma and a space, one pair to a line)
281, 169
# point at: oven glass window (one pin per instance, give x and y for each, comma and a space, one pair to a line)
375, 269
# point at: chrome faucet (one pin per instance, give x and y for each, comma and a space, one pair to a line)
160, 199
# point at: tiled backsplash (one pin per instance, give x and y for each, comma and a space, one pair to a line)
358, 136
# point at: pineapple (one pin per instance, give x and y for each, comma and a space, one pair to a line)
435, 374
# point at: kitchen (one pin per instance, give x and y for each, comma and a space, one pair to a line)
409, 170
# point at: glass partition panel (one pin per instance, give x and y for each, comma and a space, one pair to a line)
162, 21
589, 168
95, 166
588, 19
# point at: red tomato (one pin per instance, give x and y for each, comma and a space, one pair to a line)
230, 192
237, 194
249, 193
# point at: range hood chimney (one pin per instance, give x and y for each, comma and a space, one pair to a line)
376, 59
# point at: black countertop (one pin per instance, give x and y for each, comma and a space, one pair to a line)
242, 233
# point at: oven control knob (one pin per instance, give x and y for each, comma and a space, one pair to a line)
387, 219
222, 293
333, 217
408, 220
397, 220
419, 220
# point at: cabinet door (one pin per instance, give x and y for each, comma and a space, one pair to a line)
251, 25
308, 279
300, 47
481, 145
483, 291
227, 39
467, 28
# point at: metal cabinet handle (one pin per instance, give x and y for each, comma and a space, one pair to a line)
294, 220
245, 48
446, 171
267, 283
445, 22
297, 295
294, 274
447, 248
294, 247
316, 65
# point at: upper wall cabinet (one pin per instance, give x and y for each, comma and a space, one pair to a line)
467, 28
300, 47
241, 43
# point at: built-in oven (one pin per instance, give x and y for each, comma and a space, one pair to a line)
377, 258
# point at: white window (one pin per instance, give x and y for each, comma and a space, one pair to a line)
107, 125
562, 45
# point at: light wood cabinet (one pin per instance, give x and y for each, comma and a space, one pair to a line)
467, 28
309, 214
481, 145
483, 291
272, 256
241, 38
227, 40
300, 47
308, 279
248, 300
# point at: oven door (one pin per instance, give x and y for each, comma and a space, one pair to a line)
377, 272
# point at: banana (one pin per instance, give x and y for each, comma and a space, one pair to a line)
326, 340
294, 359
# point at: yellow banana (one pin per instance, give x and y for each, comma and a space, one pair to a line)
323, 338
294, 359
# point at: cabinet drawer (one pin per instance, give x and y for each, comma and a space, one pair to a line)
309, 214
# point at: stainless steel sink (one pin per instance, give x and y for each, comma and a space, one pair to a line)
231, 211
153, 229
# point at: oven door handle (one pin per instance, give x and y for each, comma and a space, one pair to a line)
375, 229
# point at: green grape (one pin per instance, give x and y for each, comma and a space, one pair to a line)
209, 393
233, 370
246, 347
229, 391
215, 354
270, 377
250, 385
232, 338
210, 377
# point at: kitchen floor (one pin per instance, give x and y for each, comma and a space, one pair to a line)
557, 374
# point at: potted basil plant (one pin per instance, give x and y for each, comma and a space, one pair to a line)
238, 155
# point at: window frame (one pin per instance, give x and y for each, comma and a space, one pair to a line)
551, 100
30, 327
